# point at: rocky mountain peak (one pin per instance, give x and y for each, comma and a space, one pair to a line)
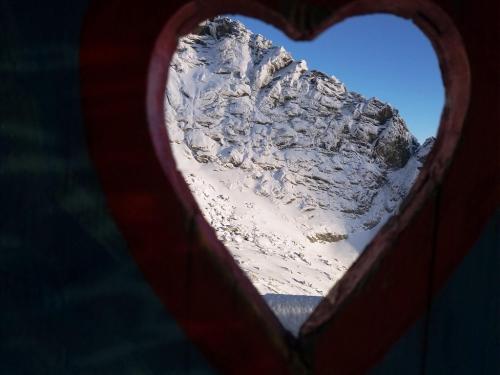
257, 133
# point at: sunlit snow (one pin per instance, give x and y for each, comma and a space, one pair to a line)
295, 174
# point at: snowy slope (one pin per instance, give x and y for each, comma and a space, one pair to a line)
295, 173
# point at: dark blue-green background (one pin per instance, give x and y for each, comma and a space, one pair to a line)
72, 300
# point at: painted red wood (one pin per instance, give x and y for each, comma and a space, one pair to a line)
388, 303
387, 289
364, 275
221, 321
136, 191
471, 191
201, 286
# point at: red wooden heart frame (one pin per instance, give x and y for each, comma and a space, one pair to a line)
125, 54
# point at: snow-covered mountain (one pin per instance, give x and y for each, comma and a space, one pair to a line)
295, 173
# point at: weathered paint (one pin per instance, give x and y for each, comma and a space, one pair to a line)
73, 299
460, 334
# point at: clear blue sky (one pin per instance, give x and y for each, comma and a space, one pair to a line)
377, 55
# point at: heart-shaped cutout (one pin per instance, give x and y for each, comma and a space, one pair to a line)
436, 163
192, 274
295, 173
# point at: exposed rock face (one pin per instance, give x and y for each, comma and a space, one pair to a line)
296, 136
326, 237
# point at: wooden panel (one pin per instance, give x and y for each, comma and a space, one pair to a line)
154, 209
461, 331
222, 322
407, 355
71, 296
464, 319
471, 190
388, 302
72, 299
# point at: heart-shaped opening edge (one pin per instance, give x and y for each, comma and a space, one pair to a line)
445, 38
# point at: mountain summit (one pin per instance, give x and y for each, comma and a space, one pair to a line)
295, 173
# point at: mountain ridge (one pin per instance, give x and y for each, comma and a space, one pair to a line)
295, 173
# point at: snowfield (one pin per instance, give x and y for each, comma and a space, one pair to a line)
294, 173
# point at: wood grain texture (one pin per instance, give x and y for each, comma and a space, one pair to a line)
72, 299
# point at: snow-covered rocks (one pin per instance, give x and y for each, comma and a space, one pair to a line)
295, 173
